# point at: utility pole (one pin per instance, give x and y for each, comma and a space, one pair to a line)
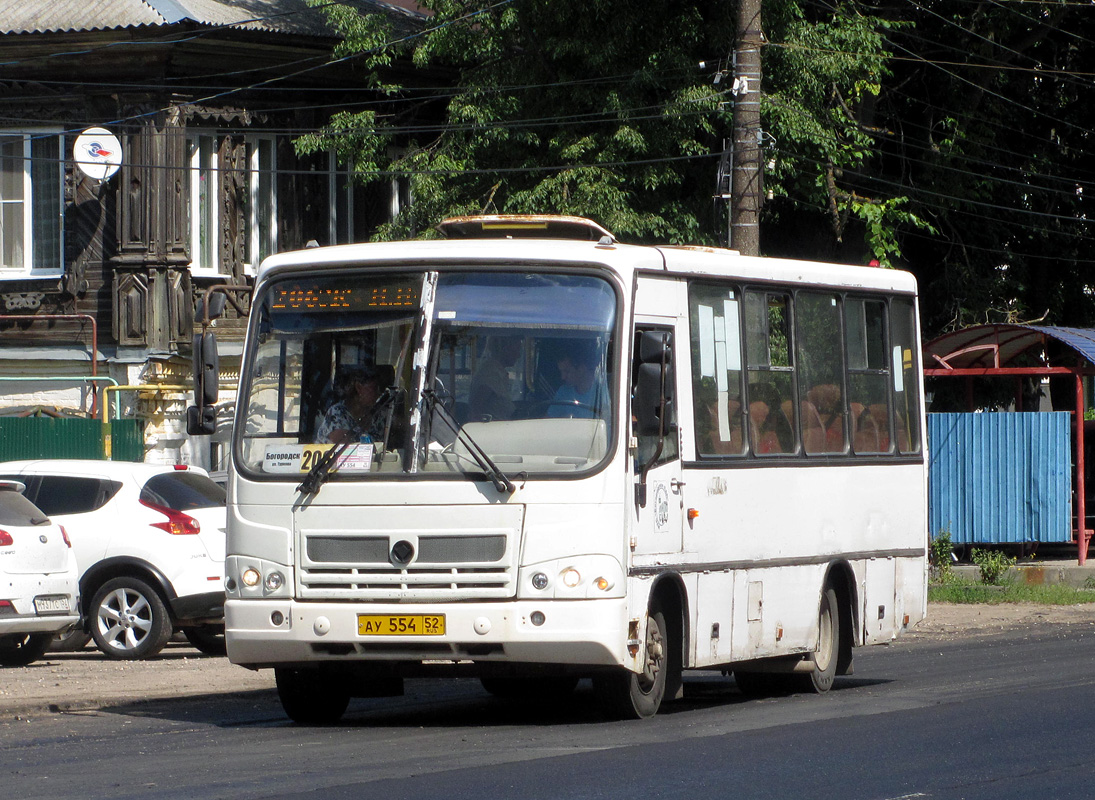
746, 183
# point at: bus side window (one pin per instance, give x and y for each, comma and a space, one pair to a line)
820, 364
866, 350
715, 326
769, 349
906, 375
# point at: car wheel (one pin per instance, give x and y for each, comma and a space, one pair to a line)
209, 639
129, 620
20, 649
70, 641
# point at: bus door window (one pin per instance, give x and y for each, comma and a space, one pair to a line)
654, 417
820, 365
715, 325
768, 345
868, 374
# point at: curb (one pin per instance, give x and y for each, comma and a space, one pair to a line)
1040, 573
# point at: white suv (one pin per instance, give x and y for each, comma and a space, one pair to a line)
37, 579
149, 544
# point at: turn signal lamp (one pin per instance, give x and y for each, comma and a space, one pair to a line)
5, 539
64, 535
604, 584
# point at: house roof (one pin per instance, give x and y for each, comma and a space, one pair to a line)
270, 16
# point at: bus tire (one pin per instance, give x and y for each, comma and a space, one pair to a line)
624, 694
829, 638
312, 696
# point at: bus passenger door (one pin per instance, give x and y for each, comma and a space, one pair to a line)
659, 489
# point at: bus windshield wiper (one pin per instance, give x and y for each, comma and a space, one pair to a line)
321, 470
485, 462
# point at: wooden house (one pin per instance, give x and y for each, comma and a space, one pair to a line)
100, 278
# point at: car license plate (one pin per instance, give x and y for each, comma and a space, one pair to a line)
51, 604
401, 624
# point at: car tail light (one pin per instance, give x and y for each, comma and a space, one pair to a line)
178, 523
5, 539
64, 535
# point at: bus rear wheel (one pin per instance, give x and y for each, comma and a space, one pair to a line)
312, 696
637, 695
820, 678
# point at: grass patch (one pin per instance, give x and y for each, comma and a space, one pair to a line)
1054, 594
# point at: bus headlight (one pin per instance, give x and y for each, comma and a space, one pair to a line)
539, 581
250, 577
571, 577
274, 581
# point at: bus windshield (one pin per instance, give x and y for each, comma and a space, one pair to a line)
427, 372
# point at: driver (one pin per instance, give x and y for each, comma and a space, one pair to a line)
582, 393
354, 414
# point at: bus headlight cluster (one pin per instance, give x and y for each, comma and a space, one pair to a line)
263, 578
585, 577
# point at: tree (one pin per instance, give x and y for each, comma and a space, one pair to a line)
593, 108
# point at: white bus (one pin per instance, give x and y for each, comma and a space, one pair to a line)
585, 460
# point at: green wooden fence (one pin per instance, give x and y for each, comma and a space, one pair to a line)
50, 437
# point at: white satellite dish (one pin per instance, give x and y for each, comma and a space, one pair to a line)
98, 153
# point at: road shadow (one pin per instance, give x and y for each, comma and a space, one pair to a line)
442, 703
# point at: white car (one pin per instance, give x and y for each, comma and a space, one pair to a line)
149, 544
38, 579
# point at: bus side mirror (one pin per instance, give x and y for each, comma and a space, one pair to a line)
201, 418
206, 368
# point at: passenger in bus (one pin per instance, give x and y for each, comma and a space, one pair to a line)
355, 415
491, 393
582, 393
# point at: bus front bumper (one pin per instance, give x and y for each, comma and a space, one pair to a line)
267, 633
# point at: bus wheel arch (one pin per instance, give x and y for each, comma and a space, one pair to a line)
842, 580
624, 694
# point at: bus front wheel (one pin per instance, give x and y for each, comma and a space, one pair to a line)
311, 696
637, 695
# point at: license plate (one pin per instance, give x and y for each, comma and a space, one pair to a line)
51, 604
401, 624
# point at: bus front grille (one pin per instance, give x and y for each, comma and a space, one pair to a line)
388, 554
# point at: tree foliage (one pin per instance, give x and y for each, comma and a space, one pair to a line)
949, 138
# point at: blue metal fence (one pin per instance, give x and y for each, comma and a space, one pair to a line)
1000, 477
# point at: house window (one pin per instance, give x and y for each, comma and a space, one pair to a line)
204, 209
30, 205
262, 200
259, 201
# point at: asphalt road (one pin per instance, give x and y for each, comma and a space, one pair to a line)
1001, 715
